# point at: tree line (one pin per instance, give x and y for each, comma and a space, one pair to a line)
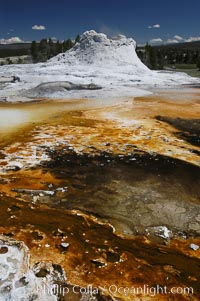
158, 57
47, 48
155, 57
13, 52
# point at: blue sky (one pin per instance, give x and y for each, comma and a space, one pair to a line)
144, 20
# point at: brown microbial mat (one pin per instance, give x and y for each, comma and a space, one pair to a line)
109, 196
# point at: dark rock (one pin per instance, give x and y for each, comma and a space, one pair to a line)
112, 257
3, 250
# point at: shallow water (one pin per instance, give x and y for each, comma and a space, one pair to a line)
130, 192
16, 115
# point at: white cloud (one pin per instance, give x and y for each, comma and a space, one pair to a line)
54, 39
179, 38
193, 39
12, 40
174, 40
156, 41
154, 26
171, 41
38, 27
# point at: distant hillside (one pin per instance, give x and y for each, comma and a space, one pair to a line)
16, 46
18, 49
170, 55
186, 45
195, 46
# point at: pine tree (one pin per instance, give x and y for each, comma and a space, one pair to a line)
77, 40
151, 57
43, 50
34, 51
58, 48
52, 48
198, 63
68, 44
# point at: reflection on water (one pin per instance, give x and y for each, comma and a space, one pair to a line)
14, 115
10, 118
